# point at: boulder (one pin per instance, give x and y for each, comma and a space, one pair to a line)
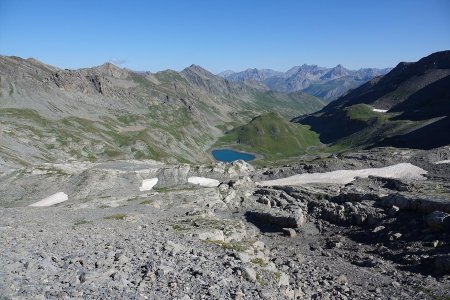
393, 210
249, 274
283, 279
289, 232
215, 235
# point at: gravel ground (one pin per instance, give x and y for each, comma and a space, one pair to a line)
372, 238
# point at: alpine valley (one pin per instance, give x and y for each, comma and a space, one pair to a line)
109, 190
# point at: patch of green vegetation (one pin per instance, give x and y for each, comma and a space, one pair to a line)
22, 113
165, 126
128, 119
147, 202
52, 171
104, 206
161, 189
112, 152
277, 276
229, 125
178, 227
138, 154
141, 80
75, 153
118, 216
271, 136
289, 105
169, 76
240, 246
82, 221
365, 113
174, 189
175, 122
259, 280
259, 261
133, 199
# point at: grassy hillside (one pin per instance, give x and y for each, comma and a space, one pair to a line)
287, 104
107, 113
364, 113
271, 136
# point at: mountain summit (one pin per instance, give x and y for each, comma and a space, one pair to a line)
327, 83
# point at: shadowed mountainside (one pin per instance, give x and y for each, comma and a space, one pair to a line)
415, 96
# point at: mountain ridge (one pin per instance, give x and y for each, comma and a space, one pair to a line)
415, 97
300, 78
106, 112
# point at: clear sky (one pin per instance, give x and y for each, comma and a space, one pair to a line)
224, 34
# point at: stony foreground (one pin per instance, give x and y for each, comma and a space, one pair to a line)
373, 238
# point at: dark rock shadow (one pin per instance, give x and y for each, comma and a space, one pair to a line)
263, 226
412, 248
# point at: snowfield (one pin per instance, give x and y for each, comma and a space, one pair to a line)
203, 181
399, 171
380, 110
447, 161
51, 200
148, 184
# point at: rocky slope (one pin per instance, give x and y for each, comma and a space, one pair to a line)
326, 83
373, 238
408, 107
102, 113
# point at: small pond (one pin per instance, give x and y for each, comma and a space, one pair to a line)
228, 155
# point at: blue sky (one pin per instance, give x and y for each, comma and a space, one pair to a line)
221, 35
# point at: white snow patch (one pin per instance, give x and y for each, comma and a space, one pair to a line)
203, 181
51, 200
399, 171
380, 110
148, 184
447, 161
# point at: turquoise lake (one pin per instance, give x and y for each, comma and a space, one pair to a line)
228, 155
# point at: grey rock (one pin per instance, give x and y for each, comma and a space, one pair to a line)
341, 279
393, 210
289, 232
249, 274
378, 228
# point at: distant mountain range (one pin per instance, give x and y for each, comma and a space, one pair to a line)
326, 83
408, 107
48, 114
